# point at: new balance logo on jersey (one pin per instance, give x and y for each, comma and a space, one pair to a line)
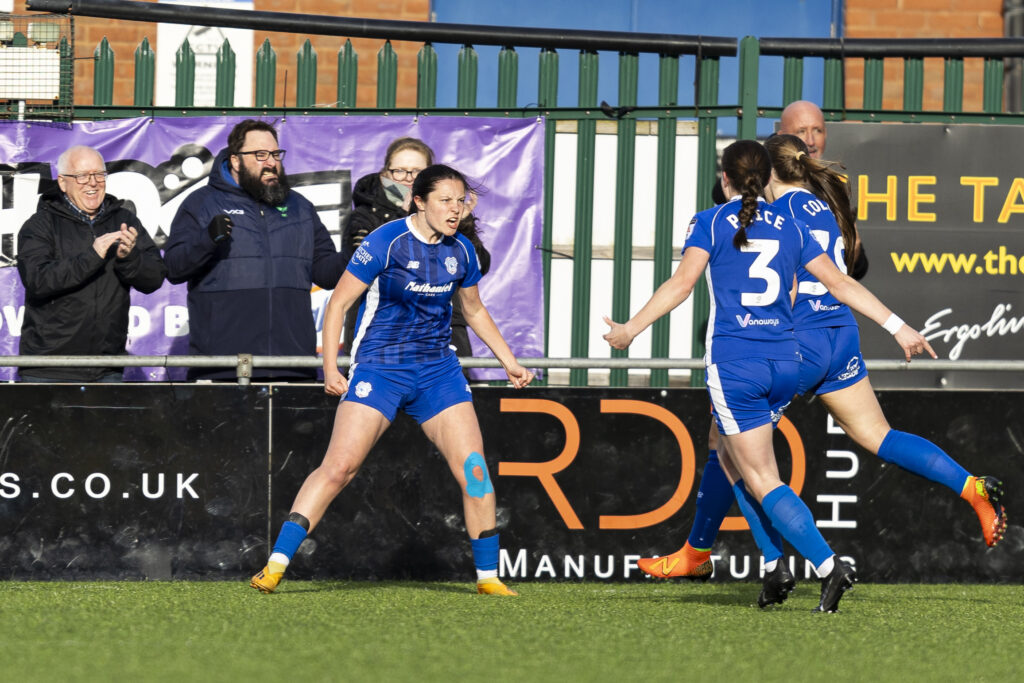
816, 305
424, 288
412, 265
747, 320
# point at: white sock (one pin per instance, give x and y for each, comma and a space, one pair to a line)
486, 574
278, 558
770, 566
825, 568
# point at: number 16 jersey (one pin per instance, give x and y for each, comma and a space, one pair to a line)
751, 311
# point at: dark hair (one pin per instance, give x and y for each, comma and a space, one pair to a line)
747, 164
401, 144
429, 177
236, 138
794, 166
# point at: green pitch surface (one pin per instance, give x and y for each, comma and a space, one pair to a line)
354, 631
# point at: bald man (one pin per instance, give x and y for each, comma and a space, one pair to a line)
805, 120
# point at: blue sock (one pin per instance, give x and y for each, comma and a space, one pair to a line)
289, 540
924, 458
713, 502
765, 535
485, 553
796, 523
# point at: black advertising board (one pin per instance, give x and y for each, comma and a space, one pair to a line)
940, 209
190, 482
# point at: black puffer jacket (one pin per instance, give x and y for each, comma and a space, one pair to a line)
76, 303
371, 208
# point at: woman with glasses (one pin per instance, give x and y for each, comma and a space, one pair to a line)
381, 197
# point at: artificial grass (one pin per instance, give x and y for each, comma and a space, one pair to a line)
406, 631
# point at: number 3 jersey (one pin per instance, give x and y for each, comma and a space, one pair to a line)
814, 306
406, 314
751, 314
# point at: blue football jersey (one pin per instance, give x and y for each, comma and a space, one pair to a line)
406, 314
751, 315
815, 306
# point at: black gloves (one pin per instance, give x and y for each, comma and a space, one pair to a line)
219, 228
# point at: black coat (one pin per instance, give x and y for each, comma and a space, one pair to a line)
371, 208
76, 302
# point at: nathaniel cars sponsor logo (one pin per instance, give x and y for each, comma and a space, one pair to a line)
748, 321
429, 289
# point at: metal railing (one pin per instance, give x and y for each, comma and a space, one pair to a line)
245, 363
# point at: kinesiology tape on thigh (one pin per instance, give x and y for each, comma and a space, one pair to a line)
478, 480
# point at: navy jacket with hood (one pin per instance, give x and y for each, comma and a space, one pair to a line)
251, 292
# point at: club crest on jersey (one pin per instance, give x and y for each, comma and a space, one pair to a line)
363, 389
451, 264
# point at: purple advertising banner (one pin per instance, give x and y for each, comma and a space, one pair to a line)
156, 163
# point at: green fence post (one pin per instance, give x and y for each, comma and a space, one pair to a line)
103, 75
913, 83
184, 75
547, 96
707, 176
67, 74
468, 69
583, 247
348, 75
305, 76
993, 90
625, 171
145, 69
953, 85
835, 86
266, 74
387, 77
224, 96
508, 77
664, 203
750, 52
874, 80
792, 79
426, 77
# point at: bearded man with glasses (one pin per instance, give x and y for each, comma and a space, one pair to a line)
79, 256
250, 250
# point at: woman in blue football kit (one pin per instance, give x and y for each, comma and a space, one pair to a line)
832, 367
750, 253
409, 269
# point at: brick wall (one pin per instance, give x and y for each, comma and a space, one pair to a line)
124, 37
920, 19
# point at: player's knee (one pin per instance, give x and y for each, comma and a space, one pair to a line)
478, 479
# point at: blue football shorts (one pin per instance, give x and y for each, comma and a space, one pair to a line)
831, 359
748, 393
422, 390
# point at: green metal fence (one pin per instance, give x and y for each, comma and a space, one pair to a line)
751, 54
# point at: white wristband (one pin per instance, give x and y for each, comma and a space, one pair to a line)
893, 324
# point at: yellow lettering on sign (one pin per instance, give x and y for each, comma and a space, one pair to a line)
915, 197
1012, 205
865, 197
979, 183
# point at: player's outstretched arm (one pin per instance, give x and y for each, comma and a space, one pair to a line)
670, 294
478, 318
857, 297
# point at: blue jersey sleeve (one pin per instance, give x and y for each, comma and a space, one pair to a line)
473, 273
370, 259
698, 234
810, 249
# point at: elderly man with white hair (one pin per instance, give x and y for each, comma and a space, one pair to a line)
79, 256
